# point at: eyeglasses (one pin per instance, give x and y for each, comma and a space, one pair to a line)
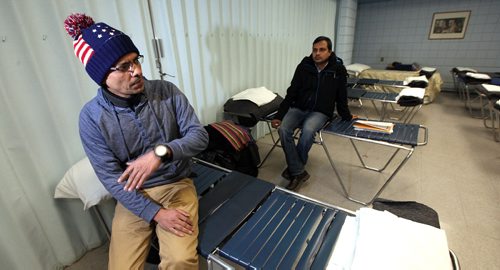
128, 66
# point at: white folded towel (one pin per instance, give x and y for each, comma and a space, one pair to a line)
412, 91
428, 69
259, 96
408, 80
466, 69
381, 240
491, 87
480, 76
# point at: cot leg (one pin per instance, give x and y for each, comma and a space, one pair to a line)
372, 168
495, 127
391, 177
269, 153
488, 115
470, 100
383, 111
467, 99
339, 178
376, 108
412, 113
271, 131
346, 194
101, 221
381, 189
275, 143
214, 262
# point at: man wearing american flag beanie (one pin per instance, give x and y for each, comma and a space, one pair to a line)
139, 136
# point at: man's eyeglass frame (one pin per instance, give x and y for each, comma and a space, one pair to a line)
129, 66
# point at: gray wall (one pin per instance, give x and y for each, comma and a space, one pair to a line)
398, 30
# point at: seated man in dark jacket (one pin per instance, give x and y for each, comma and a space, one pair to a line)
318, 85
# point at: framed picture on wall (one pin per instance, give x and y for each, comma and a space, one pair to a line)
449, 25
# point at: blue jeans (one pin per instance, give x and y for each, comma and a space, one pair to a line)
310, 123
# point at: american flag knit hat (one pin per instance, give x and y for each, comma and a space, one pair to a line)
97, 45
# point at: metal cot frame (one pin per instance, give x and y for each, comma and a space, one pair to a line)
356, 92
465, 87
496, 129
404, 137
406, 112
492, 115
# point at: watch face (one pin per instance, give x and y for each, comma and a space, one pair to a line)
161, 150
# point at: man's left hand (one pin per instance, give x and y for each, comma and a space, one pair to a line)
177, 221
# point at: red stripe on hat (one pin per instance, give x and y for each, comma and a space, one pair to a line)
87, 53
82, 50
77, 44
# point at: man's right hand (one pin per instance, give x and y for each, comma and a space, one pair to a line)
139, 170
275, 123
176, 221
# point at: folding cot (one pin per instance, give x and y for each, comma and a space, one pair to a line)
407, 112
355, 91
491, 98
457, 82
404, 137
366, 81
434, 80
466, 82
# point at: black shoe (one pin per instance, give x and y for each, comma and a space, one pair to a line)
286, 174
297, 181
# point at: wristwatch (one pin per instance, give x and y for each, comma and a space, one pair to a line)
162, 151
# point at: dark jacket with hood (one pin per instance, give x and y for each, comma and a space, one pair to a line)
311, 90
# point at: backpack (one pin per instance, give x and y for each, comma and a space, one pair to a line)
232, 147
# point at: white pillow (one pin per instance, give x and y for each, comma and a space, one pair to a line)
81, 182
357, 68
260, 95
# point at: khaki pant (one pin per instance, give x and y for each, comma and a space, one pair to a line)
131, 235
